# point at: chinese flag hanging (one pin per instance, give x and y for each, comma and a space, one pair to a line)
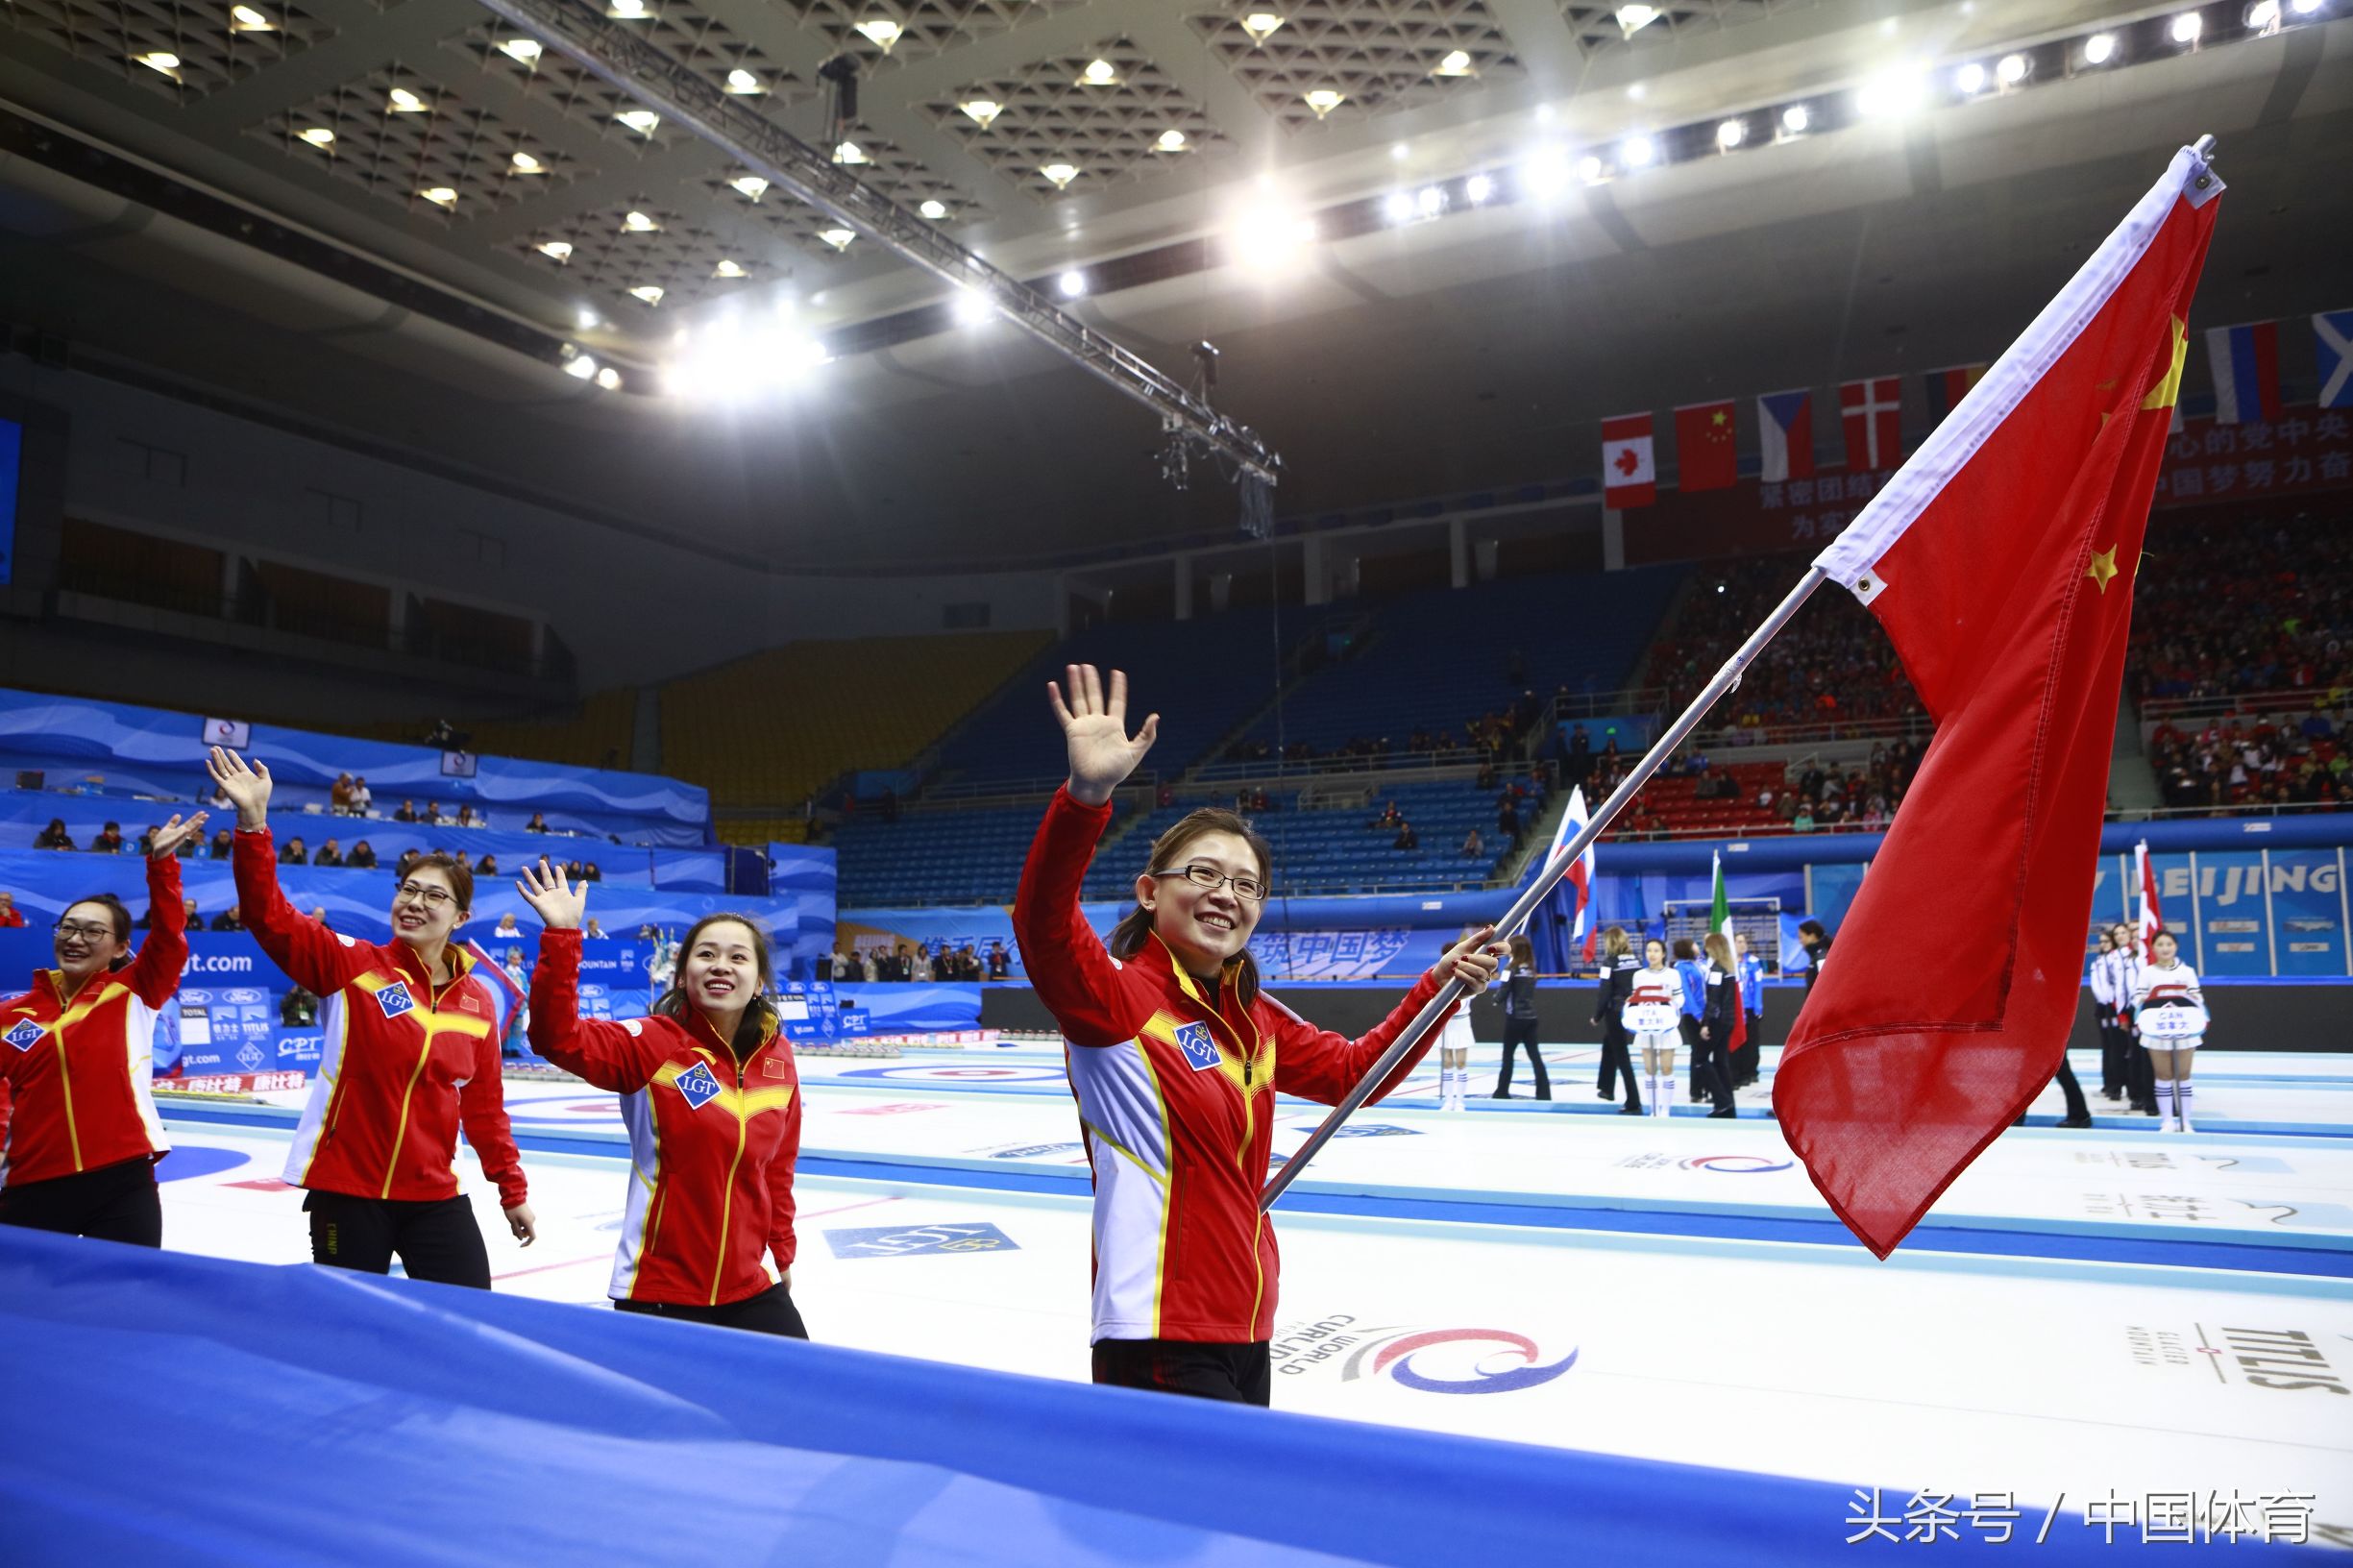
2001, 560
1703, 454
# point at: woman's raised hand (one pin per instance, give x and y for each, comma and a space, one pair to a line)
248, 788
1096, 727
165, 841
551, 894
1474, 961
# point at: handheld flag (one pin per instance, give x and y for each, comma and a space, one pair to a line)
1719, 922
1580, 875
2145, 876
505, 996
2000, 561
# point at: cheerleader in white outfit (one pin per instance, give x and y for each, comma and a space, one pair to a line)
2170, 1011
1653, 1016
1455, 1043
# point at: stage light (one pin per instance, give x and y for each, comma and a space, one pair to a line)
838, 238
640, 120
851, 153
318, 135
1731, 133
971, 308
1259, 24
1073, 285
1324, 100
649, 293
1794, 119
1637, 152
1544, 173
1477, 188
2263, 15
933, 209
526, 163
1099, 73
2186, 28
2306, 8
1267, 239
1892, 92
581, 367
1970, 78
638, 223
405, 102
1456, 62
1432, 201
744, 82
981, 110
882, 31
1061, 174
609, 378
1171, 140
246, 20
1397, 207
2099, 48
1633, 19
162, 61
524, 50
1398, 151
439, 195
2012, 71
555, 250
588, 318
728, 269
1589, 169
750, 185
627, 9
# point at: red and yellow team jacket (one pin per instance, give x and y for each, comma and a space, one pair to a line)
78, 1067
712, 1139
1176, 1098
402, 1062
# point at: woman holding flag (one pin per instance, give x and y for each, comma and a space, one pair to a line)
1722, 1027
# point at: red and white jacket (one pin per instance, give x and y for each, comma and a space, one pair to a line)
78, 1067
712, 1139
402, 1062
1176, 1100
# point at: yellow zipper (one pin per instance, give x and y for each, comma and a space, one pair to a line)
65, 1079
401, 1131
726, 1205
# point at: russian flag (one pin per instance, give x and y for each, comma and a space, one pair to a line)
2245, 364
1580, 876
1785, 435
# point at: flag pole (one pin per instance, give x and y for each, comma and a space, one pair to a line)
1550, 877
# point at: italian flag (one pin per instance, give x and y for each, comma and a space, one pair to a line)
1720, 921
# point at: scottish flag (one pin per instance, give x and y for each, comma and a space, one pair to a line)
2332, 353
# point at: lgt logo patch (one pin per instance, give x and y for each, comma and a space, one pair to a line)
25, 1035
697, 1085
1199, 1047
395, 999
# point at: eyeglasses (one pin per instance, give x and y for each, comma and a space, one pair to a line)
419, 893
1210, 877
86, 930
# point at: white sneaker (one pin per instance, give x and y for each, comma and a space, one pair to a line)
2171, 1124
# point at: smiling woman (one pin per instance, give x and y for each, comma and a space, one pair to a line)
1175, 1059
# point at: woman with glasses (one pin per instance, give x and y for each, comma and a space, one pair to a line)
411, 1053
1175, 1058
77, 1055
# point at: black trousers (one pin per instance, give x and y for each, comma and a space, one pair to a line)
770, 1311
1617, 1058
1240, 1374
114, 1202
435, 1239
2112, 1042
1749, 1060
2140, 1076
1711, 1068
2077, 1109
1519, 1033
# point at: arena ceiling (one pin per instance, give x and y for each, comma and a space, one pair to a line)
374, 223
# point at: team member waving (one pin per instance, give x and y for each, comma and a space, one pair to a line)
76, 1054
411, 1052
1175, 1058
713, 1108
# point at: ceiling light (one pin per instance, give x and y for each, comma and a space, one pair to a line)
1062, 174
555, 250
625, 9
609, 378
729, 269
1398, 207
2099, 48
838, 238
526, 49
982, 110
1099, 73
640, 120
934, 209
2305, 7
1324, 100
2185, 26
649, 293
526, 163
581, 367
849, 152
318, 135
1265, 239
2010, 70
638, 223
160, 59
750, 185
406, 102
743, 81
971, 308
1633, 19
1398, 151
1794, 119
1970, 78
1071, 284
1258, 24
246, 20
1589, 169
1432, 201
1637, 152
439, 195
1731, 133
1477, 188
1458, 62
1892, 92
1545, 172
587, 318
2262, 13
882, 31
1171, 140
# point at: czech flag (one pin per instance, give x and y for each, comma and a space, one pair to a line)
2245, 365
1785, 437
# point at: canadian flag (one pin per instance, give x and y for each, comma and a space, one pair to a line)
2152, 918
1629, 473
1873, 412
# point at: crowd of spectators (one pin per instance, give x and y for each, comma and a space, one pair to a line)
922, 961
2236, 763
2230, 606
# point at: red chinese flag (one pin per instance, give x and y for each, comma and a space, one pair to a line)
1704, 446
2000, 561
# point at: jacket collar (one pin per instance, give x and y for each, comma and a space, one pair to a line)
405, 960
1159, 958
701, 1031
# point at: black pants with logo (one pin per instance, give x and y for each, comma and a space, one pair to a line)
435, 1239
770, 1311
114, 1202
1240, 1374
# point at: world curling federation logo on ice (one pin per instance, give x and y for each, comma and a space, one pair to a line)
1430, 1360
1736, 1164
